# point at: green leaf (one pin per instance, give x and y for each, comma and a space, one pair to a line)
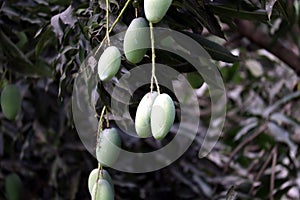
257, 15
216, 51
18, 61
44, 38
203, 16
282, 9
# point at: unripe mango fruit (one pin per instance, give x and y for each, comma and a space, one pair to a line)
155, 10
104, 191
10, 101
13, 187
195, 80
109, 63
107, 150
93, 178
136, 39
162, 116
142, 117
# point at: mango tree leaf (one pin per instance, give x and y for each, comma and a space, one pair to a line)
203, 16
18, 61
282, 9
66, 17
216, 51
45, 37
257, 15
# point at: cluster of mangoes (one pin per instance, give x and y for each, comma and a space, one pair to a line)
104, 186
155, 113
10, 101
107, 152
136, 37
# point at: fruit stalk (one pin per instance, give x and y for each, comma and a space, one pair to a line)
100, 128
113, 25
153, 76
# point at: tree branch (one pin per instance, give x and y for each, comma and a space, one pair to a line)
248, 30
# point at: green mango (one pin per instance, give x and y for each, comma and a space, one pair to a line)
137, 37
142, 117
10, 101
93, 178
104, 191
155, 10
13, 187
162, 116
107, 150
109, 63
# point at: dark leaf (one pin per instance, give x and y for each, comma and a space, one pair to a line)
216, 51
18, 61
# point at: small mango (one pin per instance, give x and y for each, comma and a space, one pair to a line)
93, 178
162, 116
10, 101
155, 10
107, 150
137, 37
109, 63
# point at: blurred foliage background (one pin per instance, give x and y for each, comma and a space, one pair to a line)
256, 45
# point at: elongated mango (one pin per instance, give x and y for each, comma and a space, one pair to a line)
13, 187
107, 150
136, 39
109, 63
155, 10
93, 178
104, 191
162, 116
10, 101
142, 117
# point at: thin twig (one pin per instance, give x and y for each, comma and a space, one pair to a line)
113, 25
262, 169
242, 144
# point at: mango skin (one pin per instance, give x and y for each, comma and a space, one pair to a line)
137, 37
10, 101
155, 10
107, 150
109, 63
104, 191
162, 116
93, 178
142, 117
